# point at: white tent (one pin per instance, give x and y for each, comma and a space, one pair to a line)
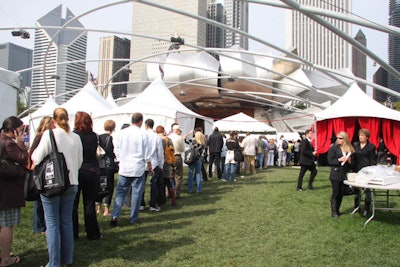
355, 109
243, 123
355, 103
155, 102
33, 119
88, 100
9, 84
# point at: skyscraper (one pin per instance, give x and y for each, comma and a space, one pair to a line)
237, 16
113, 47
394, 44
359, 60
314, 42
14, 57
68, 45
215, 35
159, 23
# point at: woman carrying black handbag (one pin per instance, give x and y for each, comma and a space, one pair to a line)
109, 166
11, 190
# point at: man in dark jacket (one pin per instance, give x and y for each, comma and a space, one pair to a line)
215, 144
306, 161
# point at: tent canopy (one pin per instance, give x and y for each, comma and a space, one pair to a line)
158, 103
355, 103
356, 110
243, 123
88, 100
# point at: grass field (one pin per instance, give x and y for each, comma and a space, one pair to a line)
259, 221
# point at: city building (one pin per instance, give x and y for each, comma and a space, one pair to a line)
50, 49
316, 43
113, 47
237, 16
215, 35
162, 25
14, 58
394, 44
359, 60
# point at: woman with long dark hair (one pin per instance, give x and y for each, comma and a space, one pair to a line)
88, 177
58, 209
11, 190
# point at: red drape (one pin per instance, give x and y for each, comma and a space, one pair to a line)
391, 133
324, 133
373, 125
346, 124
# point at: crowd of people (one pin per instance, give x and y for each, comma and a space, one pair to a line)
137, 154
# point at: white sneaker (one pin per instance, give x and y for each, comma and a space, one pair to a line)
223, 180
156, 209
141, 208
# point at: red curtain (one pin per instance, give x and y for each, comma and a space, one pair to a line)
391, 133
324, 133
345, 124
373, 125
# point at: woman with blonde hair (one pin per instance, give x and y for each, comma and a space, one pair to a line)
195, 169
58, 209
339, 158
39, 225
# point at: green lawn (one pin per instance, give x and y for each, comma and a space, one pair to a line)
259, 221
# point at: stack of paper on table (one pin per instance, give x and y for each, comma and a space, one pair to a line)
386, 180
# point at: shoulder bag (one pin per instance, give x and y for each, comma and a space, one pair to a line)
191, 155
9, 170
52, 175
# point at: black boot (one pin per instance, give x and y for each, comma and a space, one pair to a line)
367, 205
334, 208
357, 204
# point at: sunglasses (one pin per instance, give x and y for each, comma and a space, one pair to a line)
340, 138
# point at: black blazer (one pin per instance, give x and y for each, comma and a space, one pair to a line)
338, 172
306, 153
364, 157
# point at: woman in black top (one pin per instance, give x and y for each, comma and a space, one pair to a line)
106, 142
88, 177
232, 145
365, 155
339, 158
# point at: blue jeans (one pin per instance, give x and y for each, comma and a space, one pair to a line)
59, 232
260, 157
230, 171
137, 184
196, 169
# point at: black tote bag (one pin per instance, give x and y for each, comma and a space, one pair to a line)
52, 174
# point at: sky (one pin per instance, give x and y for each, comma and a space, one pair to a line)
265, 22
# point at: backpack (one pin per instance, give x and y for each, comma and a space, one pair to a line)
284, 144
169, 152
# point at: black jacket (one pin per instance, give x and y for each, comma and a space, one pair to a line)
306, 153
364, 157
338, 172
215, 142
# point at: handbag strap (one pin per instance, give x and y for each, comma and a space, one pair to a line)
3, 148
53, 141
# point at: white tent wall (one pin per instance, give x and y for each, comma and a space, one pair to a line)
10, 83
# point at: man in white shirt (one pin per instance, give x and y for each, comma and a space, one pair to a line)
132, 148
157, 161
249, 145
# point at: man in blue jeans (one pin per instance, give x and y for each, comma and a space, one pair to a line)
132, 149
